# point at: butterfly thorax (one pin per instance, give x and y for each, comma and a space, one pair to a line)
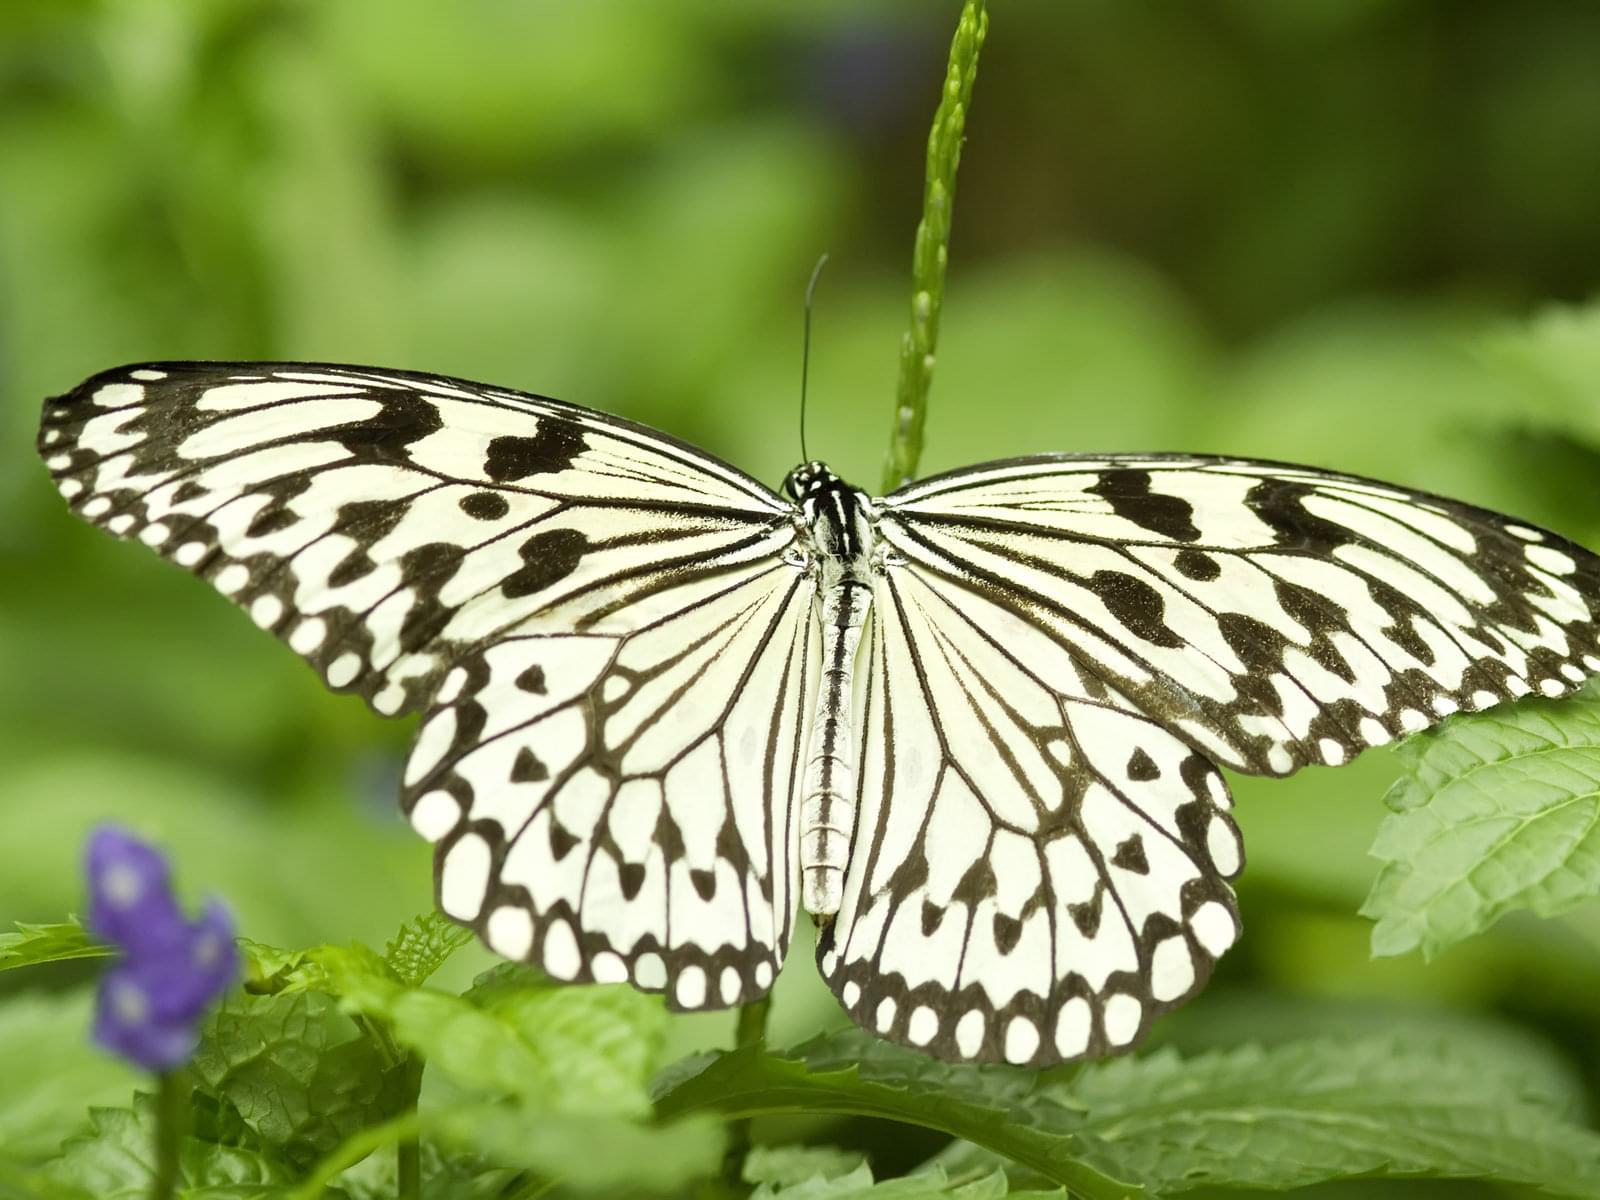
839, 522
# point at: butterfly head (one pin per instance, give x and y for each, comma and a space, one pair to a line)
808, 481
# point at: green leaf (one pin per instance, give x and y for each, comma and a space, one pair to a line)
52, 1071
113, 1162
31, 945
1327, 1109
1496, 812
785, 1166
586, 1152
422, 946
851, 1072
300, 1073
931, 1182
578, 1050
1555, 357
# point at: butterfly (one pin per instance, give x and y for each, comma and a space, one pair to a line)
973, 727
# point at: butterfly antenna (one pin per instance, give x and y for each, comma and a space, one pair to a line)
805, 352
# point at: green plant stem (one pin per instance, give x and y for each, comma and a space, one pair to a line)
354, 1148
170, 1114
408, 1167
751, 1030
919, 345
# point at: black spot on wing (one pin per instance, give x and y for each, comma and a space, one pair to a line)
552, 448
1007, 933
704, 881
1141, 767
1196, 564
1086, 916
548, 558
485, 506
1128, 492
1130, 856
532, 680
1137, 605
631, 876
402, 419
527, 768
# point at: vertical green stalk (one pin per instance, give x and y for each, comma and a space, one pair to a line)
750, 1031
932, 251
171, 1122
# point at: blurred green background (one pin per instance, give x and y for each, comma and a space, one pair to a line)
1323, 230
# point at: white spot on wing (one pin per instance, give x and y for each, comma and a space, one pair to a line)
560, 951
510, 932
691, 987
1122, 1016
923, 1025
969, 1033
435, 814
1171, 969
649, 972
1073, 1024
464, 878
1213, 926
1022, 1040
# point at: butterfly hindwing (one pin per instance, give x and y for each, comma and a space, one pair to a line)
617, 806
1038, 869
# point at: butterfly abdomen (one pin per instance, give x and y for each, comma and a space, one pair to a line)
827, 798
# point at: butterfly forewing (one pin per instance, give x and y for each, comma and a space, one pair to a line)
1272, 616
377, 521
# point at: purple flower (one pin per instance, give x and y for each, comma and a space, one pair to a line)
172, 968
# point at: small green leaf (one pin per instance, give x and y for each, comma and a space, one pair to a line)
113, 1162
785, 1166
422, 946
299, 1072
578, 1050
851, 1072
1496, 812
1328, 1109
586, 1152
31, 945
929, 1183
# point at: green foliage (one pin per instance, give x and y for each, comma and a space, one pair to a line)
1495, 813
1184, 234
51, 1075
854, 1073
112, 1162
1328, 1109
299, 1073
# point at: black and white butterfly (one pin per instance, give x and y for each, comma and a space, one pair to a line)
974, 726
